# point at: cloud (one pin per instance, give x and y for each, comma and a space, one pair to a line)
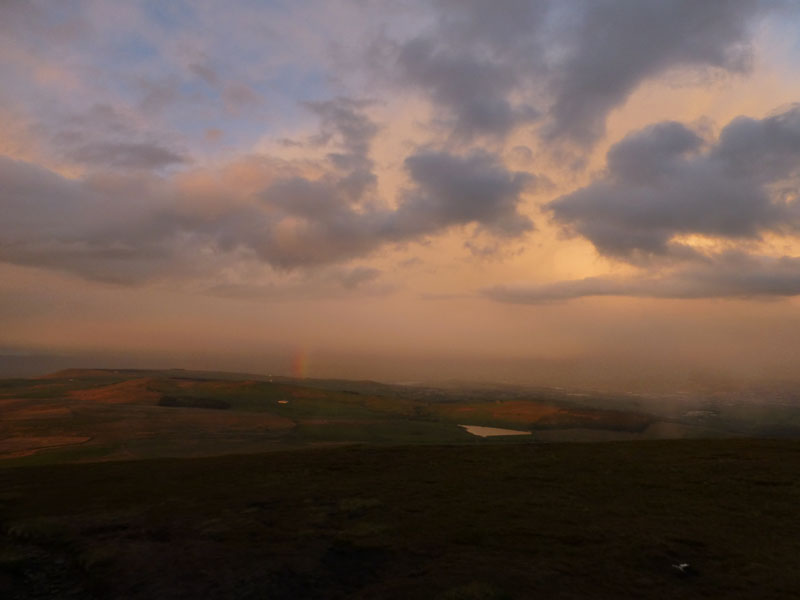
106, 137
159, 94
322, 221
663, 181
239, 97
337, 217
728, 275
134, 227
456, 190
205, 72
473, 93
345, 118
486, 66
343, 122
105, 227
35, 200
213, 134
134, 155
612, 46
334, 282
358, 276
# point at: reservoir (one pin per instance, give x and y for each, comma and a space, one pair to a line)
492, 431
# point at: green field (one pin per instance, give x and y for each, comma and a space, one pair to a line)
89, 415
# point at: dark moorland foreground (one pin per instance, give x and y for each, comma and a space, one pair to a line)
497, 521
177, 484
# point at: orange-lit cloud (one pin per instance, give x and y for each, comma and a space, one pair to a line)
456, 178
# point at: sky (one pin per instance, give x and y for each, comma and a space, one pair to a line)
564, 192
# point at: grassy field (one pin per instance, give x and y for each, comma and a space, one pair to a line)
423, 521
89, 415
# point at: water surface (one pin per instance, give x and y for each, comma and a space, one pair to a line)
492, 431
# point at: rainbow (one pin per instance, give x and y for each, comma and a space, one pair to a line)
300, 363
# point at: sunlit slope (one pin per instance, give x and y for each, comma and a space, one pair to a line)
79, 415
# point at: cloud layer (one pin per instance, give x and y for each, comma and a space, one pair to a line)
729, 275
129, 228
149, 144
664, 181
490, 68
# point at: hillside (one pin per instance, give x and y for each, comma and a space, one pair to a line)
87, 415
218, 485
444, 522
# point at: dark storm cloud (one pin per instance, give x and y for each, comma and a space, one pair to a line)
729, 275
486, 65
662, 182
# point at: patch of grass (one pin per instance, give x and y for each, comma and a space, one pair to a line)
384, 431
51, 387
